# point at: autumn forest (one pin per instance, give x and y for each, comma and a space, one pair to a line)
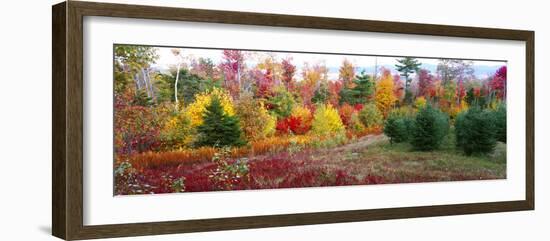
196, 119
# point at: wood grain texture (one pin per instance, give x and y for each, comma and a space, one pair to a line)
74, 137
58, 121
530, 120
67, 137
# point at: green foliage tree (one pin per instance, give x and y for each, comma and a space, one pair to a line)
129, 60
281, 103
141, 99
218, 129
476, 131
321, 95
370, 116
429, 129
359, 94
165, 86
189, 85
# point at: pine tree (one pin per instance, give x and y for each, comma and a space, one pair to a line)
321, 95
500, 122
363, 88
397, 128
430, 126
407, 66
476, 131
219, 129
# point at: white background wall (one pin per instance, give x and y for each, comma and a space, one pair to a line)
25, 120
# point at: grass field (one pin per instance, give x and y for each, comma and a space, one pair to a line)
365, 161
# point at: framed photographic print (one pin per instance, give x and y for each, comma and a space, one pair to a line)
171, 120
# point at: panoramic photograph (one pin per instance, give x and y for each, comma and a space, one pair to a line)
189, 119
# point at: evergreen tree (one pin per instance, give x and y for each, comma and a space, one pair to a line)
500, 122
219, 129
407, 66
476, 131
359, 94
321, 95
397, 128
430, 127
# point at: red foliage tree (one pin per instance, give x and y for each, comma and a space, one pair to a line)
460, 91
425, 83
334, 88
288, 73
498, 83
346, 111
265, 84
232, 67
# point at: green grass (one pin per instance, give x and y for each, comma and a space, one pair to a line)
401, 162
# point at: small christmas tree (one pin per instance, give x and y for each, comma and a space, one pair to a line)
430, 127
219, 129
500, 122
476, 131
397, 128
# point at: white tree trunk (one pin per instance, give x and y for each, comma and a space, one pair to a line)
138, 84
151, 85
176, 84
146, 82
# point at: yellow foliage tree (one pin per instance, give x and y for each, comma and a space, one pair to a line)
420, 102
384, 94
202, 100
269, 125
303, 113
255, 120
326, 121
176, 131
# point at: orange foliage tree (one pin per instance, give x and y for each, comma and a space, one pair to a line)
313, 76
347, 74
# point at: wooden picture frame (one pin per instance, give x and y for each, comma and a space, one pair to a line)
67, 123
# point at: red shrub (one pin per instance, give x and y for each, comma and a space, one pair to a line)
358, 107
292, 124
370, 179
282, 126
343, 178
345, 112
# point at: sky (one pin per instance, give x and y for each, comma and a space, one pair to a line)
332, 61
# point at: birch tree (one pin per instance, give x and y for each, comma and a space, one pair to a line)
177, 53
